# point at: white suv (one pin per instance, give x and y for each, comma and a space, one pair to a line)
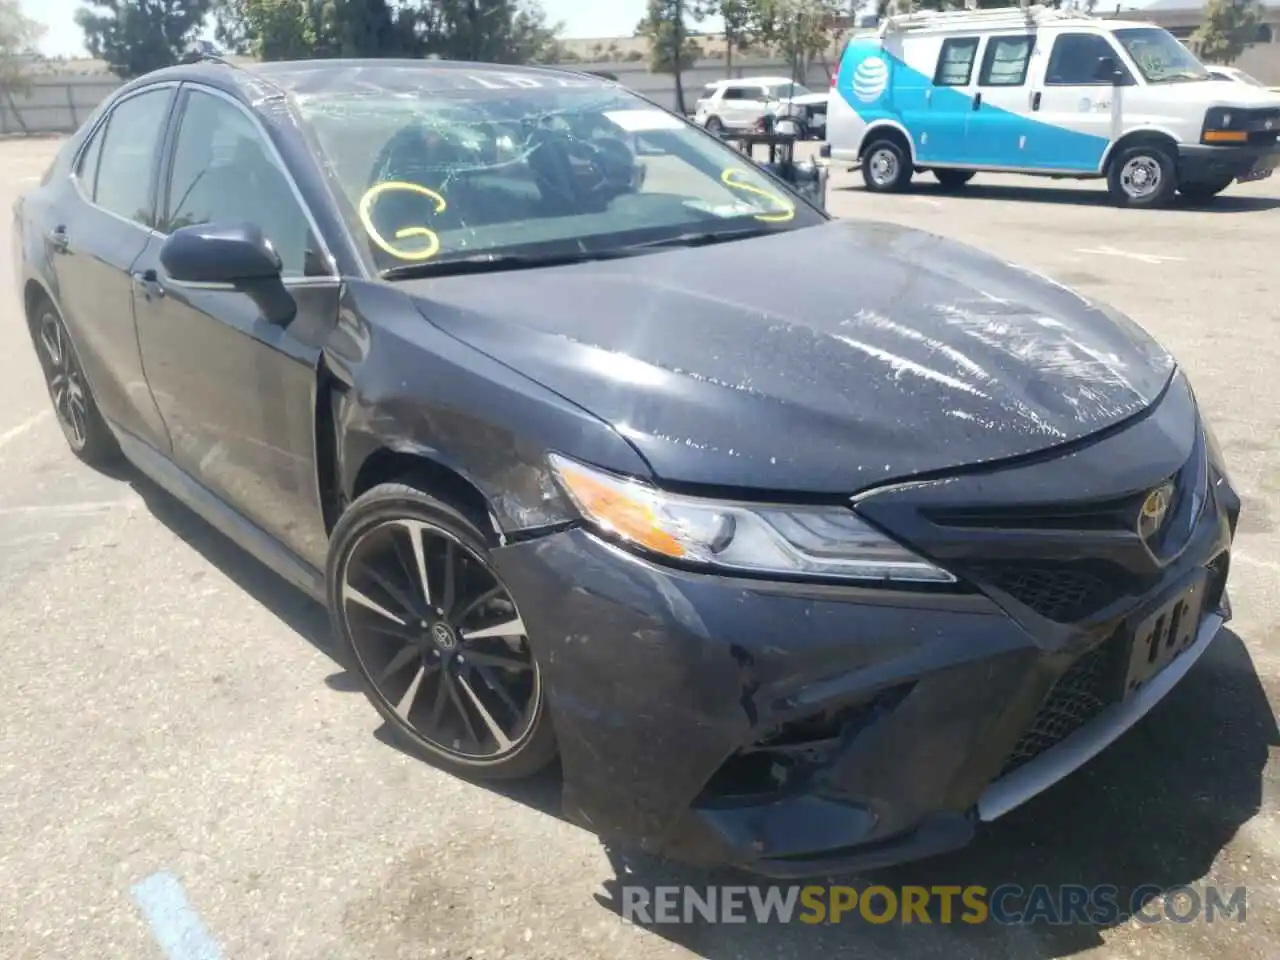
740, 104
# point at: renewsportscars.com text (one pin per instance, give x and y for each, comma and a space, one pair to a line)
1007, 904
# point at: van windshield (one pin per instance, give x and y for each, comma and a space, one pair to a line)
1160, 57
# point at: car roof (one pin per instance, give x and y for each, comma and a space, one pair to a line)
255, 82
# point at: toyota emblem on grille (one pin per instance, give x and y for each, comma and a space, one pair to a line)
1155, 508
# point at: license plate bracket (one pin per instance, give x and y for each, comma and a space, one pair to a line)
1162, 634
1260, 170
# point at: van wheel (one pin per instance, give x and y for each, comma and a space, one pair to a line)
951, 179
886, 168
1200, 192
1143, 176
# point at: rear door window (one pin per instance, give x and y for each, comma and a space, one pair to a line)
955, 62
126, 167
1005, 62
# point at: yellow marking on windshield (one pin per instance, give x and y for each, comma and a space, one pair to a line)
788, 211
431, 237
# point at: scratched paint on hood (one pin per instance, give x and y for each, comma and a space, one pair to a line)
825, 359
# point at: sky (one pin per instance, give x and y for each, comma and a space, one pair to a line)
582, 18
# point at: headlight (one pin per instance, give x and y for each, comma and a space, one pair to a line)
828, 542
1218, 127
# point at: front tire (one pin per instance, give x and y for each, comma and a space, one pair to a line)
435, 637
714, 126
74, 406
886, 168
1202, 192
1143, 176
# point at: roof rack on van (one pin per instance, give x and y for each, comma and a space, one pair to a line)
999, 17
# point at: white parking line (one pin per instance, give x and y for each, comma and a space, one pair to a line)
1105, 251
15, 432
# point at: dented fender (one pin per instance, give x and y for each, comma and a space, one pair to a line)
400, 385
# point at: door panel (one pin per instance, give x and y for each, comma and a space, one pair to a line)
238, 395
1074, 109
237, 392
103, 225
949, 104
1000, 131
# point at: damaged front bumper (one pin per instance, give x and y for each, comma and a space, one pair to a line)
792, 730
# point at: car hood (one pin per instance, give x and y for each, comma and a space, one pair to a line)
1222, 93
808, 99
825, 360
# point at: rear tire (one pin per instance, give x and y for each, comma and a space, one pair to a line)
1202, 192
1144, 176
886, 168
952, 179
74, 406
434, 636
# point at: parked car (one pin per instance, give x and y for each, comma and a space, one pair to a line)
803, 577
1043, 92
736, 105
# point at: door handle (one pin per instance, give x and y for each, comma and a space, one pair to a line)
977, 100
150, 284
58, 239
1035, 100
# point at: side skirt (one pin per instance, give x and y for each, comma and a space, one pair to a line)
214, 510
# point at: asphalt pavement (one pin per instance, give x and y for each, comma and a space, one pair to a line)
186, 772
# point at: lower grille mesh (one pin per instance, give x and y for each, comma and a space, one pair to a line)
1060, 593
1083, 692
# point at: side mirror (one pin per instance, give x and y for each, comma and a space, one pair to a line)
1108, 70
238, 256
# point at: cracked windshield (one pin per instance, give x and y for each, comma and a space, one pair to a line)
569, 167
1160, 57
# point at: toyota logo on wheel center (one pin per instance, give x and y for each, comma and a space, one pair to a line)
443, 636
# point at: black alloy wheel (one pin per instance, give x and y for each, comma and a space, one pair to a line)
73, 404
435, 635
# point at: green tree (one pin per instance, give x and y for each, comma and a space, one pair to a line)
739, 17
671, 49
138, 36
19, 35
1229, 26
800, 30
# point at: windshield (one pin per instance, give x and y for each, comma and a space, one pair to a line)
548, 170
1160, 57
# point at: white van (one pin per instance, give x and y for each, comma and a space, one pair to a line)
1035, 91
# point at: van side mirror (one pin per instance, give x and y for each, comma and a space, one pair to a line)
1108, 70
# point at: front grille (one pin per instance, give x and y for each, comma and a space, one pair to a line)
1257, 126
1086, 689
1063, 592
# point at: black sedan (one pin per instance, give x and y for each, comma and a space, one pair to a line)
805, 544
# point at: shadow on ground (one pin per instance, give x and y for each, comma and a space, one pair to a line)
1153, 812
1074, 196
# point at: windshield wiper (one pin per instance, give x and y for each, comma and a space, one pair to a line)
491, 263
703, 238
